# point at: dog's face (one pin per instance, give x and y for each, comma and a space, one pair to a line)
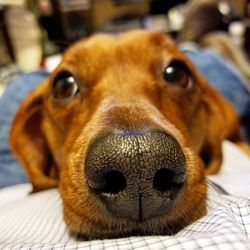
127, 128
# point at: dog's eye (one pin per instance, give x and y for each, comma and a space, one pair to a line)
65, 86
178, 74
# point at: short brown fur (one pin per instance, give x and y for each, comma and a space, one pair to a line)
121, 86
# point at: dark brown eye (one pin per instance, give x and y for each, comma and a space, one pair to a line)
178, 74
65, 86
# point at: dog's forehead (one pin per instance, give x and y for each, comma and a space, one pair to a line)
136, 42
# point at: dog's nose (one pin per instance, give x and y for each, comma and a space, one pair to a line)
136, 175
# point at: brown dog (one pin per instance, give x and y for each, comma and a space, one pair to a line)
126, 128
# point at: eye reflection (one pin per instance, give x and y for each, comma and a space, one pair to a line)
177, 74
65, 86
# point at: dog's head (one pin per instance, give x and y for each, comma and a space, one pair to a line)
127, 128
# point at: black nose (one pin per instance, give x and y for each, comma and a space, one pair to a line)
136, 175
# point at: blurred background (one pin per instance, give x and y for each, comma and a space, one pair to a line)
34, 33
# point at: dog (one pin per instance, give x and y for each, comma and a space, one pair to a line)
127, 129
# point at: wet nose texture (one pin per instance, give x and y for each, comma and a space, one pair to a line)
136, 175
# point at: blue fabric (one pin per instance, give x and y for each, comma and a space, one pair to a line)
10, 170
221, 74
224, 77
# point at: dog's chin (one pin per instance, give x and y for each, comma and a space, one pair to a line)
120, 228
156, 226
183, 213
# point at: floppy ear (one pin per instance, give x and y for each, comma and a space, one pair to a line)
29, 144
222, 124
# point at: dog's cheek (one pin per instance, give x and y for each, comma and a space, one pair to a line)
55, 140
193, 203
81, 210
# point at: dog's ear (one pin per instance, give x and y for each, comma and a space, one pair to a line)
29, 144
222, 124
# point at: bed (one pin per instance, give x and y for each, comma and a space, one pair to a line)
35, 221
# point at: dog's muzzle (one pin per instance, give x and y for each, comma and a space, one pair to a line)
136, 175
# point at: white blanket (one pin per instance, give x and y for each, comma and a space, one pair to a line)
35, 221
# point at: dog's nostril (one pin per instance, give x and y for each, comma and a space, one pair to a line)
166, 179
114, 182
163, 179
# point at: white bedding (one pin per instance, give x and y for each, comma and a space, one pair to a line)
35, 221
